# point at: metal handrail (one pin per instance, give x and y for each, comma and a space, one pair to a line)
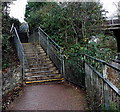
58, 54
98, 60
96, 78
20, 50
51, 47
53, 50
18, 39
106, 81
103, 62
60, 51
50, 38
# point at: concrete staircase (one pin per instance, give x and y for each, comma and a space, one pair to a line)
39, 66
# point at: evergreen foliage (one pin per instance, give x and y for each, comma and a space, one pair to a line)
72, 25
72, 22
7, 48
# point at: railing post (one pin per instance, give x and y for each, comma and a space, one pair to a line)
60, 52
84, 61
20, 52
61, 59
106, 96
23, 68
84, 58
47, 45
104, 70
39, 35
63, 66
105, 87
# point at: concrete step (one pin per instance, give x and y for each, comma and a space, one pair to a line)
39, 47
38, 57
47, 77
32, 64
40, 51
31, 54
41, 68
37, 69
38, 72
39, 62
41, 72
36, 52
44, 80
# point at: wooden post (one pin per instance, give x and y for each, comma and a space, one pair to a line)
106, 96
104, 71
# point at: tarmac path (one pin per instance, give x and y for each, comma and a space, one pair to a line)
60, 96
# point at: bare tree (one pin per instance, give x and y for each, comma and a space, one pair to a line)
118, 8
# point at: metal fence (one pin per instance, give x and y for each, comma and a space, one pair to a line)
74, 69
85, 71
20, 50
15, 76
100, 81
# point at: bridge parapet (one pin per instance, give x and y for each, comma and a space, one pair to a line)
113, 21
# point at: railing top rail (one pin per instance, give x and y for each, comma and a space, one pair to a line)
50, 38
12, 27
98, 60
105, 63
106, 81
18, 38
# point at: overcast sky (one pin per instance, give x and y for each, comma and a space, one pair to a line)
18, 8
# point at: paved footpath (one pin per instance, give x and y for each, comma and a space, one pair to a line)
50, 97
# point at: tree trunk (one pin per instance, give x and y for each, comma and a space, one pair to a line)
117, 35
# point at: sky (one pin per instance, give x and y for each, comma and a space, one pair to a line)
17, 9
110, 6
